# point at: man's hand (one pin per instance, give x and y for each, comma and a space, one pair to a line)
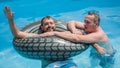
99, 49
47, 34
8, 13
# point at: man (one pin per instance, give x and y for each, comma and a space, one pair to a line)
94, 34
47, 25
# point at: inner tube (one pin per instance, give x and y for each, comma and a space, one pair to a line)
47, 48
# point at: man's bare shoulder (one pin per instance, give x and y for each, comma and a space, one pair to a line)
102, 35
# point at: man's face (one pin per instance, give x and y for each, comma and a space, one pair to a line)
90, 26
48, 25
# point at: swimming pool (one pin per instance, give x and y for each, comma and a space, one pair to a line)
27, 11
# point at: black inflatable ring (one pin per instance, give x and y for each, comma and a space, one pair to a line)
48, 48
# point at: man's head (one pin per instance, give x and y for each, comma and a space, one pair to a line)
91, 22
47, 24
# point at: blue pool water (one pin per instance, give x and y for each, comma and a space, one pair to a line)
27, 11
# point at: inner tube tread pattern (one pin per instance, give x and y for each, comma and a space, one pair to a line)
48, 48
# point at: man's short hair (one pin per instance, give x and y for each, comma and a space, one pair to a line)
46, 17
97, 17
42, 21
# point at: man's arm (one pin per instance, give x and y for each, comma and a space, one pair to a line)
81, 38
89, 38
73, 25
15, 31
98, 48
